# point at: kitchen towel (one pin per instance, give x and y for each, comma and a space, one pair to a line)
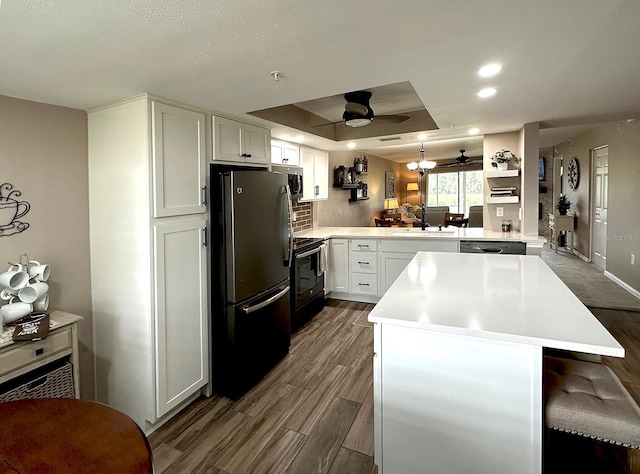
323, 259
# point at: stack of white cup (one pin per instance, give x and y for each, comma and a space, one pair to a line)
27, 284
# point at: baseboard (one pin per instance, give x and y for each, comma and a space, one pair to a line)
351, 297
621, 283
580, 256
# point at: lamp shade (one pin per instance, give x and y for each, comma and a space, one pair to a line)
391, 203
412, 186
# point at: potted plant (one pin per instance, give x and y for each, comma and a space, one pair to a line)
501, 159
563, 205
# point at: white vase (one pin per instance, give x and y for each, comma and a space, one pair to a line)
502, 166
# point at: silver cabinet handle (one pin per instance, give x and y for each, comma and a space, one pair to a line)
204, 195
364, 263
363, 284
205, 238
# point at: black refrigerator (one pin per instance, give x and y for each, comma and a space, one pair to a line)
251, 249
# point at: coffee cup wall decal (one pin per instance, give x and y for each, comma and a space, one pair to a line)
11, 210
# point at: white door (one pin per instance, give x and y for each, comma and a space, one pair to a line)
181, 334
307, 161
600, 164
179, 167
339, 265
227, 135
321, 175
257, 144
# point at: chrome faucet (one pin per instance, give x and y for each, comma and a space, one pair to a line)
423, 223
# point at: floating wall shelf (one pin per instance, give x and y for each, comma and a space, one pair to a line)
502, 174
503, 200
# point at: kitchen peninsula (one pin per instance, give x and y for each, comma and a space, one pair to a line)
458, 342
365, 261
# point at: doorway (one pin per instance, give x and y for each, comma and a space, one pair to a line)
599, 199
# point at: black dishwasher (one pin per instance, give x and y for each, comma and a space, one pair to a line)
493, 247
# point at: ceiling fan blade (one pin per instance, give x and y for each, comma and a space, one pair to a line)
390, 118
326, 124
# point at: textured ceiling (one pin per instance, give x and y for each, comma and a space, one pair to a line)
567, 64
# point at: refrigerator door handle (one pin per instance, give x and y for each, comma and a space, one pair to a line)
290, 207
267, 302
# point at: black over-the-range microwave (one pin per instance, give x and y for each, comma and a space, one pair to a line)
295, 178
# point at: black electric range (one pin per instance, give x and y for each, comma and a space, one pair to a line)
307, 280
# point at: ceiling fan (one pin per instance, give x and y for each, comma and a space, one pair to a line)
358, 112
462, 160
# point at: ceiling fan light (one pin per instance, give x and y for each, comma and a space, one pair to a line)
358, 122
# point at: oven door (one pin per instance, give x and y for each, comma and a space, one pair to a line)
309, 280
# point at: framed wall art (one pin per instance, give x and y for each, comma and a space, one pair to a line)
389, 184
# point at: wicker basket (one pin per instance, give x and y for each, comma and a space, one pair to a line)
56, 383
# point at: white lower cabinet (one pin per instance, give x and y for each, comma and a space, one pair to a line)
364, 267
396, 254
339, 265
181, 312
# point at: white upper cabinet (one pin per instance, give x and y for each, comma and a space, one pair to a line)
283, 153
315, 172
179, 163
240, 142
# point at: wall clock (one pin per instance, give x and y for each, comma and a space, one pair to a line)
574, 173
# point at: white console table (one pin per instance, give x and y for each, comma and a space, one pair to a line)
18, 358
557, 224
458, 342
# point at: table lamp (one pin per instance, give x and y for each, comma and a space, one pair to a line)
391, 204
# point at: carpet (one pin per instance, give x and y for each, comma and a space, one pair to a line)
588, 282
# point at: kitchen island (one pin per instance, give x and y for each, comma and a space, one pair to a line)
458, 342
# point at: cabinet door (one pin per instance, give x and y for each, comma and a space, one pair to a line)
227, 135
307, 161
257, 144
391, 266
321, 175
181, 334
291, 155
339, 265
277, 152
179, 167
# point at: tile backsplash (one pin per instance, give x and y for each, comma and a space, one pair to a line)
304, 216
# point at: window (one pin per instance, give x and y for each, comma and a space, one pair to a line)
458, 190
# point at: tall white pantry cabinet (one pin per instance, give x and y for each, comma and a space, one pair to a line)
147, 180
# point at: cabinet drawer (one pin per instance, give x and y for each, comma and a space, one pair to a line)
405, 245
364, 262
364, 284
30, 352
362, 245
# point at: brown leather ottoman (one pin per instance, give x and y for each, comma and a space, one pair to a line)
70, 436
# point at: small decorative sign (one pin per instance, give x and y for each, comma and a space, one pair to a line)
10, 210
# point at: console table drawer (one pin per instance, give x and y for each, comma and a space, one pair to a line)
21, 355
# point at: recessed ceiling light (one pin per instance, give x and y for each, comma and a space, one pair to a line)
422, 136
490, 70
473, 131
351, 145
487, 92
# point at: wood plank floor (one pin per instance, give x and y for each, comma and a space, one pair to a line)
313, 413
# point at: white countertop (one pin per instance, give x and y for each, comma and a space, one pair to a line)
515, 298
450, 232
